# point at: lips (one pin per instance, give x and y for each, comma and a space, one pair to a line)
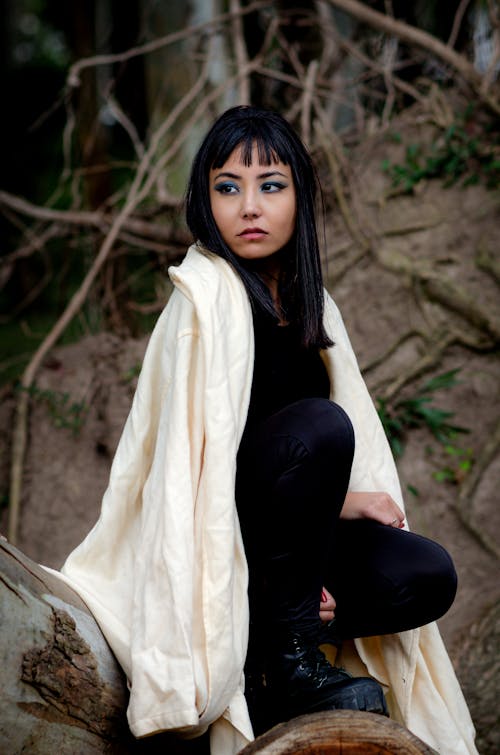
252, 233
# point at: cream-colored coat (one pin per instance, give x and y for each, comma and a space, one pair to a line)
164, 571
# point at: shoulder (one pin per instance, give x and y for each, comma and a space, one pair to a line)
331, 315
209, 282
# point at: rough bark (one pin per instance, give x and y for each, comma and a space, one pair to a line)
62, 689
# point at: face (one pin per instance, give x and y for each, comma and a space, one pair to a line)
253, 206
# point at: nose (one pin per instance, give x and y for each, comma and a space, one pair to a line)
250, 207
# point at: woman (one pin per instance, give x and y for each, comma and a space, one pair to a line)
252, 442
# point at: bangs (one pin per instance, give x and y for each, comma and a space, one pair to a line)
271, 148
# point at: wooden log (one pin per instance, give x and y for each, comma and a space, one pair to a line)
339, 732
62, 690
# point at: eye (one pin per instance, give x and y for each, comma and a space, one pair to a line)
270, 187
226, 188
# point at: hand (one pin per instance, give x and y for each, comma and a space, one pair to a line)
378, 506
327, 606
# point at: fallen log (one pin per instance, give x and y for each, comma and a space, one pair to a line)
62, 690
339, 732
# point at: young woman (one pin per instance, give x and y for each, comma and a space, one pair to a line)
253, 448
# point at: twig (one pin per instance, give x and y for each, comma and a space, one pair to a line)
457, 22
74, 74
420, 38
465, 500
390, 51
46, 213
333, 163
240, 50
127, 126
96, 218
305, 120
372, 64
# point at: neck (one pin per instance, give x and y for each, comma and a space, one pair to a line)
268, 270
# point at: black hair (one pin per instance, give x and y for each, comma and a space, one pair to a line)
300, 285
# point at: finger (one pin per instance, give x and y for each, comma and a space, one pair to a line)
326, 615
398, 522
327, 597
328, 605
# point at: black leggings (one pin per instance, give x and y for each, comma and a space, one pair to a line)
292, 478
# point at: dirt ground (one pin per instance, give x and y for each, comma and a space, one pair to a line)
66, 472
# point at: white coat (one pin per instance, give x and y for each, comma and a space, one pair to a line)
164, 570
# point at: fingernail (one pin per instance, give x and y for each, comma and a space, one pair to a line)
323, 596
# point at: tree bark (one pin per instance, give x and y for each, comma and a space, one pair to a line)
62, 688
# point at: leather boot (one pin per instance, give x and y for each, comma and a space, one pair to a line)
301, 680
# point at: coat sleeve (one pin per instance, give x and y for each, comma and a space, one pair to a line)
373, 466
168, 691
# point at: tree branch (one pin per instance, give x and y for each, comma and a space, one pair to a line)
457, 22
420, 38
74, 74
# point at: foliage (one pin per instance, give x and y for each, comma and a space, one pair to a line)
460, 463
63, 413
468, 150
419, 411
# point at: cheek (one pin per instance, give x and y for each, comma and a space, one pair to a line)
292, 217
218, 213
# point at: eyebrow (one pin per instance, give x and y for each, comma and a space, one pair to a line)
267, 174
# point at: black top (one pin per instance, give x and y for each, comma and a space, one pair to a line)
284, 370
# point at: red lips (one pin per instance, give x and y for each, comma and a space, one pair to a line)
253, 233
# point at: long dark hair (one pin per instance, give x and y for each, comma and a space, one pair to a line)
300, 285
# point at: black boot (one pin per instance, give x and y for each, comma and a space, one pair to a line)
301, 680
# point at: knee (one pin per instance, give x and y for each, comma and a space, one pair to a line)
435, 581
444, 580
328, 431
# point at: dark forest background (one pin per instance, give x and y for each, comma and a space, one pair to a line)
104, 105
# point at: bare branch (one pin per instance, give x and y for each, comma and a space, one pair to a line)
457, 22
74, 74
127, 125
420, 38
72, 217
240, 50
307, 98
465, 500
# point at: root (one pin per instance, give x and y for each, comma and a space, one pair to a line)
464, 505
442, 290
